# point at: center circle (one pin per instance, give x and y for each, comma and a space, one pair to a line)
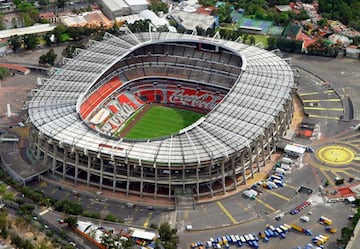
336, 155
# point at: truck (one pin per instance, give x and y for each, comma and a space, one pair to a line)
285, 166
284, 228
320, 239
282, 171
301, 230
324, 220
287, 160
330, 229
294, 151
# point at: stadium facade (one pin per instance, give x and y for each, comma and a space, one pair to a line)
77, 113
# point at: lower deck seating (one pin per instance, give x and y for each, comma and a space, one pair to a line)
98, 96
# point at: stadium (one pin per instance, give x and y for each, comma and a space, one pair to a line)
162, 114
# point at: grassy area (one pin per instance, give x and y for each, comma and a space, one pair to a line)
261, 38
64, 37
161, 121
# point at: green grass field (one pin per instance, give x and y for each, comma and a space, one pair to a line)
161, 121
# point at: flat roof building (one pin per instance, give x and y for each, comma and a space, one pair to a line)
116, 8
192, 20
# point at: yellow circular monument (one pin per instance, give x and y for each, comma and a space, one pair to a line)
336, 155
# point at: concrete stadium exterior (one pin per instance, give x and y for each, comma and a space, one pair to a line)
214, 155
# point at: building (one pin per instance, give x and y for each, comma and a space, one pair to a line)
93, 19
246, 93
137, 6
283, 8
190, 20
49, 16
117, 8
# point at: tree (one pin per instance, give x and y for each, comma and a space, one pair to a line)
4, 72
15, 42
322, 22
200, 31
48, 58
31, 41
271, 40
224, 11
29, 13
2, 26
139, 26
168, 238
252, 40
71, 221
69, 207
58, 31
157, 6
68, 52
127, 244
61, 3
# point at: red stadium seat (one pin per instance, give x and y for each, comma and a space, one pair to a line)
98, 96
123, 99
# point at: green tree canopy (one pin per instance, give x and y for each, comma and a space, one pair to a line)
48, 58
157, 5
4, 72
71, 221
31, 41
29, 13
168, 238
15, 42
68, 52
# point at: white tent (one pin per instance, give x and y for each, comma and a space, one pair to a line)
142, 234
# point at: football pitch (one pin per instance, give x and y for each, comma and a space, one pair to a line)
161, 121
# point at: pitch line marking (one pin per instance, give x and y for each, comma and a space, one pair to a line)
226, 212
